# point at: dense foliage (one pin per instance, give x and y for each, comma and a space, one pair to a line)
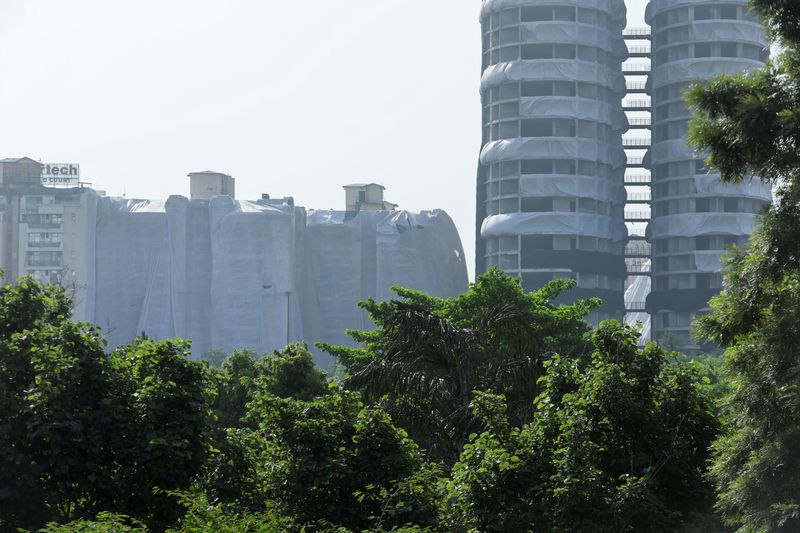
82, 431
570, 429
618, 443
428, 355
750, 125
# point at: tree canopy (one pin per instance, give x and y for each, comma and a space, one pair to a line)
750, 126
428, 355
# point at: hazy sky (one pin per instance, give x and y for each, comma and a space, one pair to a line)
291, 98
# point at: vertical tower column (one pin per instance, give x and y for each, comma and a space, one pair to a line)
695, 216
550, 180
637, 178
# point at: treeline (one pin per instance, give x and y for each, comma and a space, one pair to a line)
492, 411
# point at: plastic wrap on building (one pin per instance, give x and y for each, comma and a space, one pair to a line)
695, 216
236, 274
550, 178
363, 257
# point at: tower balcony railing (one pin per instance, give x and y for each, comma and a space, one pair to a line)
637, 216
637, 143
635, 85
636, 69
636, 33
639, 306
640, 121
637, 179
638, 197
639, 50
637, 104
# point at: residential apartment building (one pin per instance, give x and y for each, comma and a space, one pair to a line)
46, 232
555, 188
550, 194
695, 217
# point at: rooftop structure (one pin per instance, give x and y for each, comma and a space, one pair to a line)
208, 184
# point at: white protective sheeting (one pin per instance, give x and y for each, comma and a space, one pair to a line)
614, 7
553, 69
236, 274
555, 148
637, 293
698, 224
554, 224
566, 186
363, 257
568, 106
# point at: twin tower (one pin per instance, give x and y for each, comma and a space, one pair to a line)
584, 168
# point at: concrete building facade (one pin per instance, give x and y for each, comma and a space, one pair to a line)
695, 217
550, 193
44, 231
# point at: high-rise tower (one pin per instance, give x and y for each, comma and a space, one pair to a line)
550, 180
694, 216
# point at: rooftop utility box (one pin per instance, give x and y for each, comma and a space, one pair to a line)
208, 184
366, 197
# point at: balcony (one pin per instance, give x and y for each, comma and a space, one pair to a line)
639, 50
637, 216
636, 143
637, 33
637, 179
636, 69
637, 104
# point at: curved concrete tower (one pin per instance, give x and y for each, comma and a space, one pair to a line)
550, 180
694, 216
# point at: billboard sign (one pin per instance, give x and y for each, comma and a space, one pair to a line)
61, 174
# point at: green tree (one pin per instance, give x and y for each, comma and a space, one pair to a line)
83, 431
334, 461
618, 443
288, 373
750, 126
428, 354
170, 435
58, 409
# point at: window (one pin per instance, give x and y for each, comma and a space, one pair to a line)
703, 12
537, 128
728, 12
537, 242
509, 17
509, 168
728, 50
537, 166
701, 205
537, 51
537, 13
702, 50
547, 13
537, 205
563, 88
564, 166
564, 51
564, 13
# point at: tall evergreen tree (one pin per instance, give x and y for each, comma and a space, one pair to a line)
750, 125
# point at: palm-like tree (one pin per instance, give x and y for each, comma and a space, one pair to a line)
426, 364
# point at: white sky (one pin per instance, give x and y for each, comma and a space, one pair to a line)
292, 98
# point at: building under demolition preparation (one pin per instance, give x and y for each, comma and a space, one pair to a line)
222, 272
584, 170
